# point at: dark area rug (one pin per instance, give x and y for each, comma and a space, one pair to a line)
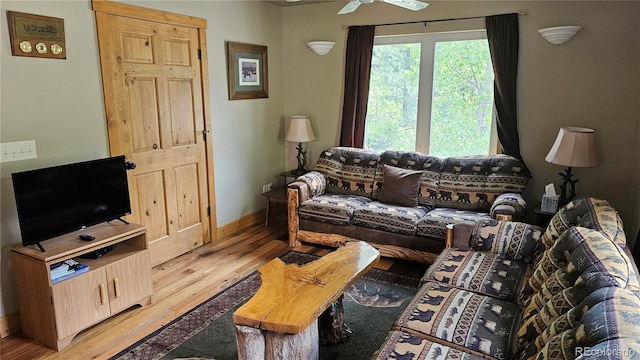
371, 306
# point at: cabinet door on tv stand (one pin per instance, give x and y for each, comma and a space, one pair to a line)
80, 302
129, 281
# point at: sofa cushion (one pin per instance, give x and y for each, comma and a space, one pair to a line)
463, 184
615, 320
553, 259
391, 218
585, 212
593, 264
400, 186
514, 240
571, 318
480, 272
348, 170
402, 345
434, 224
463, 318
332, 208
507, 175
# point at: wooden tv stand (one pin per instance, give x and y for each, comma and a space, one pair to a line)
55, 313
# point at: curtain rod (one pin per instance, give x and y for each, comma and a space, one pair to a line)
521, 12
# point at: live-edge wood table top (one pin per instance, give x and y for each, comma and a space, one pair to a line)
291, 296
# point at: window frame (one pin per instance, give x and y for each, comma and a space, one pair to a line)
427, 43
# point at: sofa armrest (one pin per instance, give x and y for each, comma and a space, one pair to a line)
315, 181
509, 204
513, 240
302, 188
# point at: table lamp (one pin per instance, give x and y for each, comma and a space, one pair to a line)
574, 147
300, 131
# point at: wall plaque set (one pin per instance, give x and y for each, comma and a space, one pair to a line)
36, 35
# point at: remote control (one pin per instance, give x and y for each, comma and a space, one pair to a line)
86, 237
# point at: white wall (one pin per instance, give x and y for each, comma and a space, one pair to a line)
59, 104
593, 81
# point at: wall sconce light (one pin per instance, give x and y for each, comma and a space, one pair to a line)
321, 47
559, 34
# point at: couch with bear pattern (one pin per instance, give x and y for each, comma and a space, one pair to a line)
401, 202
511, 290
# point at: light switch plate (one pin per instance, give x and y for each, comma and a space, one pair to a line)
18, 150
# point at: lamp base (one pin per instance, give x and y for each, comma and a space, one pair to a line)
567, 181
301, 161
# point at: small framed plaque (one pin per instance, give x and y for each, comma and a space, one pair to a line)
36, 35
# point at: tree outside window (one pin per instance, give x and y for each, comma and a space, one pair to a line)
432, 93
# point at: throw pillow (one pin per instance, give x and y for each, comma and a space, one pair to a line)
400, 186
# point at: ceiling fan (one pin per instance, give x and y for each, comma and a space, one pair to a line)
414, 5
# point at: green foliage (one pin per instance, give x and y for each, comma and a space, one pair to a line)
393, 97
461, 105
462, 99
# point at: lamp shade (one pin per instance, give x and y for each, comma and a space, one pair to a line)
299, 129
574, 147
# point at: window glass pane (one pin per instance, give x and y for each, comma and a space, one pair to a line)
393, 98
462, 100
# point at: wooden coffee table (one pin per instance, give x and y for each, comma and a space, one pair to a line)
281, 320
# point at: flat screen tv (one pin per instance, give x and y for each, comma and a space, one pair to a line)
61, 199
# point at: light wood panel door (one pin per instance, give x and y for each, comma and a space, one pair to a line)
154, 102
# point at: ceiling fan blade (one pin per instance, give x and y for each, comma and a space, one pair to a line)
414, 5
350, 7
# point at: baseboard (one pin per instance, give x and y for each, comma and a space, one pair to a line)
9, 324
241, 224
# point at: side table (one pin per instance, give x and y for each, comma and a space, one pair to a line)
291, 174
542, 218
279, 195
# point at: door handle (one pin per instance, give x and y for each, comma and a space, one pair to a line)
103, 297
116, 287
129, 165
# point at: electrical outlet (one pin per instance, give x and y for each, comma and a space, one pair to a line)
18, 150
267, 187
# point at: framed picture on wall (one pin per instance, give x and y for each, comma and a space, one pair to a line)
247, 71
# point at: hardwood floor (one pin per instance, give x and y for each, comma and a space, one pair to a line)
179, 285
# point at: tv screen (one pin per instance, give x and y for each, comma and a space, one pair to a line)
57, 200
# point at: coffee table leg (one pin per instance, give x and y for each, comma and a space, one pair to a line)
331, 325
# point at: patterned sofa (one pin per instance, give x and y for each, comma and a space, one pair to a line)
364, 195
511, 291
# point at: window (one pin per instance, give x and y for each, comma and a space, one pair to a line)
432, 93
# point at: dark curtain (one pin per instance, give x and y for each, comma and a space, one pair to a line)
357, 73
502, 33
